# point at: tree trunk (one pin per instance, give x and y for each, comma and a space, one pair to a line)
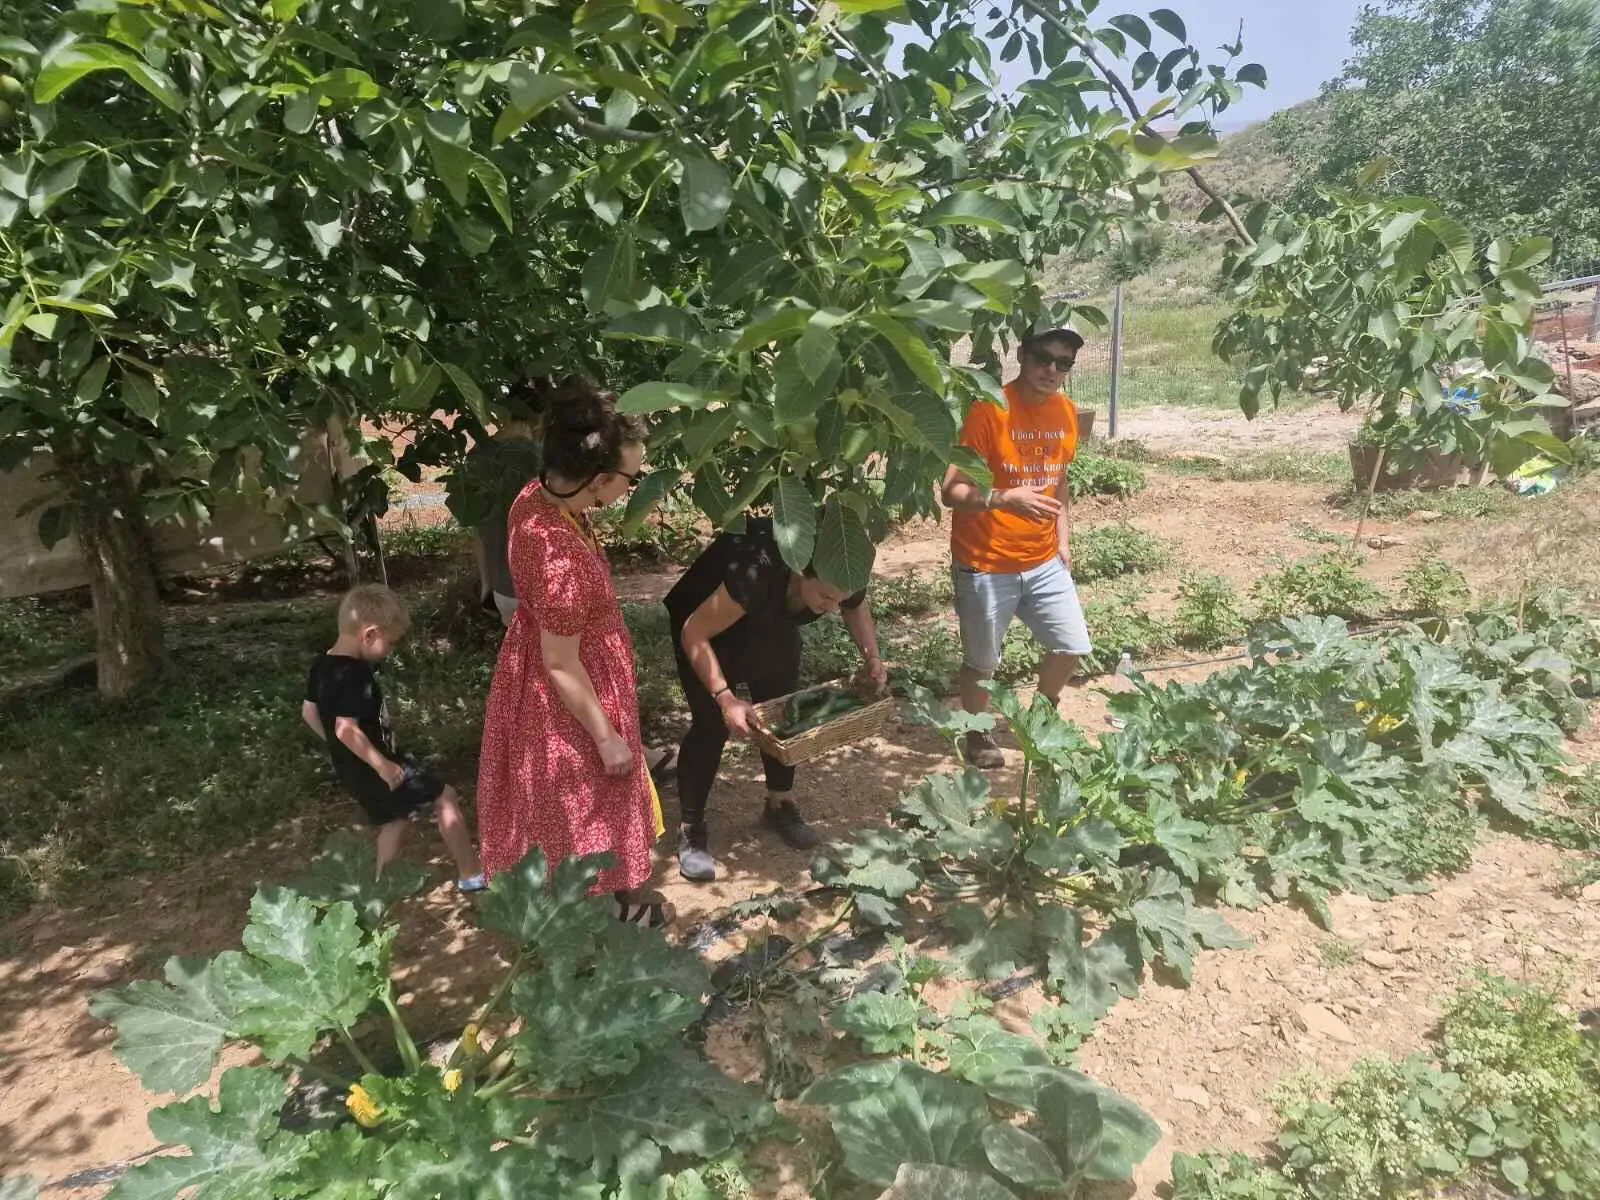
122, 579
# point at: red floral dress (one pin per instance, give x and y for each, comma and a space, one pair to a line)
540, 778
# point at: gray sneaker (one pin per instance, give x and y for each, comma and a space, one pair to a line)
694, 860
980, 750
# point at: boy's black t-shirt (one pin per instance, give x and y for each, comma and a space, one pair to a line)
750, 566
341, 686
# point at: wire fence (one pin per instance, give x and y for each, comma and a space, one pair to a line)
1161, 354
1165, 359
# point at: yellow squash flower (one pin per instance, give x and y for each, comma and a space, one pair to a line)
469, 1041
452, 1081
1240, 776
363, 1107
1363, 706
1383, 724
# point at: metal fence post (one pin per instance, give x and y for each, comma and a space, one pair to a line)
1594, 316
1116, 364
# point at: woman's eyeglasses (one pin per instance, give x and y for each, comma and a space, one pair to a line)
1061, 362
634, 478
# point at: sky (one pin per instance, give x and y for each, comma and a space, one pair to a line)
1301, 43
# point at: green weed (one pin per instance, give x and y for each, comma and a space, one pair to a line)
1117, 621
1268, 466
1208, 615
1336, 953
1465, 503
913, 594
1107, 551
1510, 1099
1431, 587
1095, 474
1324, 584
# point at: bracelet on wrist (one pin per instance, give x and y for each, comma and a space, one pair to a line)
721, 692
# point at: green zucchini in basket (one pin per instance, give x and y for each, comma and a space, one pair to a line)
808, 710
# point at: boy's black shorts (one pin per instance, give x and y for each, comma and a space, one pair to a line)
416, 794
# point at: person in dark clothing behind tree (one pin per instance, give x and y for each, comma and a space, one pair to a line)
736, 615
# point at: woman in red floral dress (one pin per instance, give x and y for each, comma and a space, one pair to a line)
562, 766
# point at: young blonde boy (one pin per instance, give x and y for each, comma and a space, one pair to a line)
344, 706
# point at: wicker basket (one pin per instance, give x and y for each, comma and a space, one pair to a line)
852, 726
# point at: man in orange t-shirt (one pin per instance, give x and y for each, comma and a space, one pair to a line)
1010, 544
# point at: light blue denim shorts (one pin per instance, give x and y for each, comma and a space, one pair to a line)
1044, 597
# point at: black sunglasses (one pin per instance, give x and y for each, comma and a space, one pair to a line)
1061, 362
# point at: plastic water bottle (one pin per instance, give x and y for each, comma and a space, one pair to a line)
1121, 683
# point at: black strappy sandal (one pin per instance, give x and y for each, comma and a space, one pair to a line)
651, 914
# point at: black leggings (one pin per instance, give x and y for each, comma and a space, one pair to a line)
771, 670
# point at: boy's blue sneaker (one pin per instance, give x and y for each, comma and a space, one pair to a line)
473, 883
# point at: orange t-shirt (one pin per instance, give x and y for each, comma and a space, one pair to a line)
1025, 445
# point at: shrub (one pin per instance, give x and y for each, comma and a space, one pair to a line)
1208, 615
1117, 622
1110, 550
1324, 585
1432, 587
1092, 474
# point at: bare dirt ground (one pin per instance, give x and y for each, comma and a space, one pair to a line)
1200, 1060
1321, 429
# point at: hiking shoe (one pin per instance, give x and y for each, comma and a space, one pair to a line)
694, 860
784, 819
980, 750
472, 883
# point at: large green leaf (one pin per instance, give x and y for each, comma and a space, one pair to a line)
437, 21
548, 912
794, 522
912, 348
743, 274
660, 323
975, 210
705, 194
908, 1116
584, 1023
1069, 1122
236, 1150
609, 273
531, 92
346, 871
661, 394
169, 1034
676, 1102
797, 396
71, 60
845, 552
1171, 927
1089, 979
1022, 1158
885, 1024
919, 1181
982, 1049
1127, 1133
307, 969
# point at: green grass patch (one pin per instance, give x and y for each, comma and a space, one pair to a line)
1267, 466
1462, 504
39, 632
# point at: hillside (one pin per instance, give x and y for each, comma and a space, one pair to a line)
1257, 163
